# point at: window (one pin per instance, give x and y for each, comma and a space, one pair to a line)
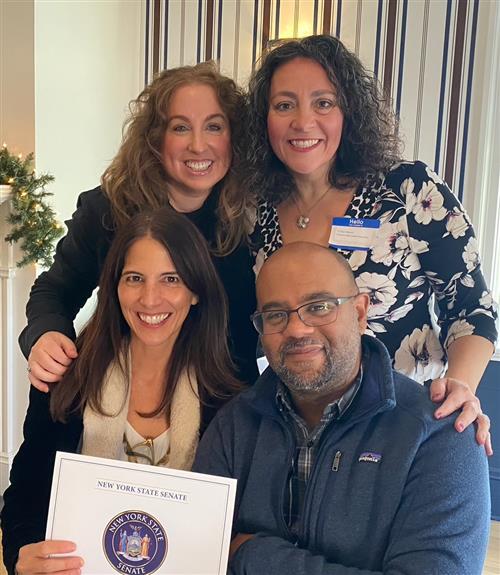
487, 202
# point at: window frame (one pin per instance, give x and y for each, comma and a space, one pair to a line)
486, 204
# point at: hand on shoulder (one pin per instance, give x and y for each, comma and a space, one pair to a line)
457, 395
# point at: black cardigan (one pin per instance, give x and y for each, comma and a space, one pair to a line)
26, 501
58, 294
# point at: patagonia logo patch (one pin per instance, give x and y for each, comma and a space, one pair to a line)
370, 457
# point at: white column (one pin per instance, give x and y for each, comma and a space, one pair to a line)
89, 64
17, 130
14, 385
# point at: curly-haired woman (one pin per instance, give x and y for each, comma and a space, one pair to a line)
179, 144
324, 156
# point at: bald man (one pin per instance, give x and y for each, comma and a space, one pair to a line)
342, 468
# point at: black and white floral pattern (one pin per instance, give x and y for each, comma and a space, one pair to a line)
425, 251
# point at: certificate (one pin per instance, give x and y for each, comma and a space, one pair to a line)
140, 519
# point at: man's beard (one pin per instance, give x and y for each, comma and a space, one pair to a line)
335, 374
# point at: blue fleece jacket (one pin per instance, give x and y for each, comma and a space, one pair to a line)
407, 494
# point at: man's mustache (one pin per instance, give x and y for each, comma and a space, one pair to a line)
293, 343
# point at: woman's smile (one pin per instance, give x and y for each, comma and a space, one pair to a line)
304, 122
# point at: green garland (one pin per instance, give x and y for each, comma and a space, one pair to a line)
34, 221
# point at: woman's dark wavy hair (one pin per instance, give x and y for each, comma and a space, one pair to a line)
201, 344
369, 143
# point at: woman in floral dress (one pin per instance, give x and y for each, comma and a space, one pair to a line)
323, 144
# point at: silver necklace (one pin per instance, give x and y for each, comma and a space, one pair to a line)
303, 218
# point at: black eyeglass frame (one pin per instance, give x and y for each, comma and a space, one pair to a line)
338, 301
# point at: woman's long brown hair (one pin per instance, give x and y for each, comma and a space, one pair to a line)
136, 178
201, 344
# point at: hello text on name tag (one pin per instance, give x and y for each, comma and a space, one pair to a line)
353, 233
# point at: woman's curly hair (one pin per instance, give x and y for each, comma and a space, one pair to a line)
136, 178
369, 143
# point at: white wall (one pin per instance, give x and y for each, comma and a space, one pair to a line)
17, 105
88, 66
17, 131
483, 174
68, 71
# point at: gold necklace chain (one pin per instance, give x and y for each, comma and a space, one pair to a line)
303, 218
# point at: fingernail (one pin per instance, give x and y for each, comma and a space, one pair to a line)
439, 414
460, 427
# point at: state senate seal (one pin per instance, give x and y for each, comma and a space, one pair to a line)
135, 543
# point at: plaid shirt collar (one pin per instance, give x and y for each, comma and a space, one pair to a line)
307, 442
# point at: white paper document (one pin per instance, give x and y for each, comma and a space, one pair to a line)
139, 519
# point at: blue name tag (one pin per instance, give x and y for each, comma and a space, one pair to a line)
353, 233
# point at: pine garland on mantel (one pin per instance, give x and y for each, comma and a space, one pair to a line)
34, 222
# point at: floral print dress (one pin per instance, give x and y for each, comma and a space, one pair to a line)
424, 253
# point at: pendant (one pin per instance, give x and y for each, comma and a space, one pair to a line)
302, 222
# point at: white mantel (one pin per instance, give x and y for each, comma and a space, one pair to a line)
14, 384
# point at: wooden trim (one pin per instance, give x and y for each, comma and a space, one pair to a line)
165, 35
209, 30
277, 20
146, 46
255, 28
327, 17
339, 18
421, 78
266, 24
455, 93
219, 31
402, 42
199, 27
379, 33
156, 36
390, 45
468, 101
444, 75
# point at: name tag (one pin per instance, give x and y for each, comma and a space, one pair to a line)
353, 233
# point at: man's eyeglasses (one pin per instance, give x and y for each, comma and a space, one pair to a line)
313, 314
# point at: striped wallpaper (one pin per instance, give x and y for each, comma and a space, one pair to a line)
423, 51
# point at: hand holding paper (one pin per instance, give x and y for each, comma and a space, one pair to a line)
37, 558
137, 519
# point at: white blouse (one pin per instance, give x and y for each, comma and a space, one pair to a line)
138, 449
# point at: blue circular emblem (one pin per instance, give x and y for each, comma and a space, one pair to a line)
135, 543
